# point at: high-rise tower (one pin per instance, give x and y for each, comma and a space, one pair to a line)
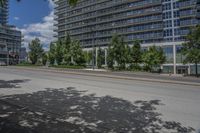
10, 38
4, 13
155, 22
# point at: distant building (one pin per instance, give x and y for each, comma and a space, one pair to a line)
10, 38
155, 22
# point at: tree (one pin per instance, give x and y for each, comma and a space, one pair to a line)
128, 54
160, 56
76, 53
110, 58
66, 49
154, 57
136, 54
51, 54
44, 59
59, 52
118, 52
88, 56
100, 57
191, 48
36, 50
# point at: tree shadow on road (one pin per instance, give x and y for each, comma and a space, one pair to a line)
69, 110
12, 83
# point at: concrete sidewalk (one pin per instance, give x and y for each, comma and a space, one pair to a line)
140, 76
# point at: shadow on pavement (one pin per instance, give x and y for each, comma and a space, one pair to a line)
72, 111
12, 83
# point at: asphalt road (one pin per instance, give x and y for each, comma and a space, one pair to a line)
49, 102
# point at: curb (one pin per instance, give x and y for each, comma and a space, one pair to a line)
106, 76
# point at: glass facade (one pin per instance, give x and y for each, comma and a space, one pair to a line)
10, 38
168, 50
193, 69
168, 69
100, 19
179, 55
151, 21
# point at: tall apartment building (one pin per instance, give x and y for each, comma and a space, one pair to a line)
155, 22
4, 13
10, 38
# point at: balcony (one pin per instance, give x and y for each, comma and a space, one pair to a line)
187, 4
3, 52
2, 44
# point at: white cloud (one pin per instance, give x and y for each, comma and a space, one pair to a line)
16, 18
51, 4
42, 30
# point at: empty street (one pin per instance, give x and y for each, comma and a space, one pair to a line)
44, 101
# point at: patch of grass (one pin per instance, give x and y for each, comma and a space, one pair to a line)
27, 65
68, 66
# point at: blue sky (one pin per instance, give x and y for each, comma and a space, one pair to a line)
34, 18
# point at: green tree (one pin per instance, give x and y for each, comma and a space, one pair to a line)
100, 57
44, 59
136, 54
161, 56
154, 57
51, 54
128, 54
88, 56
76, 53
117, 51
110, 58
59, 52
66, 49
36, 50
85, 54
191, 48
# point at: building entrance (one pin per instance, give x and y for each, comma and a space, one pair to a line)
182, 69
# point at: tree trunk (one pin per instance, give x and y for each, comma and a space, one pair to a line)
196, 64
72, 60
